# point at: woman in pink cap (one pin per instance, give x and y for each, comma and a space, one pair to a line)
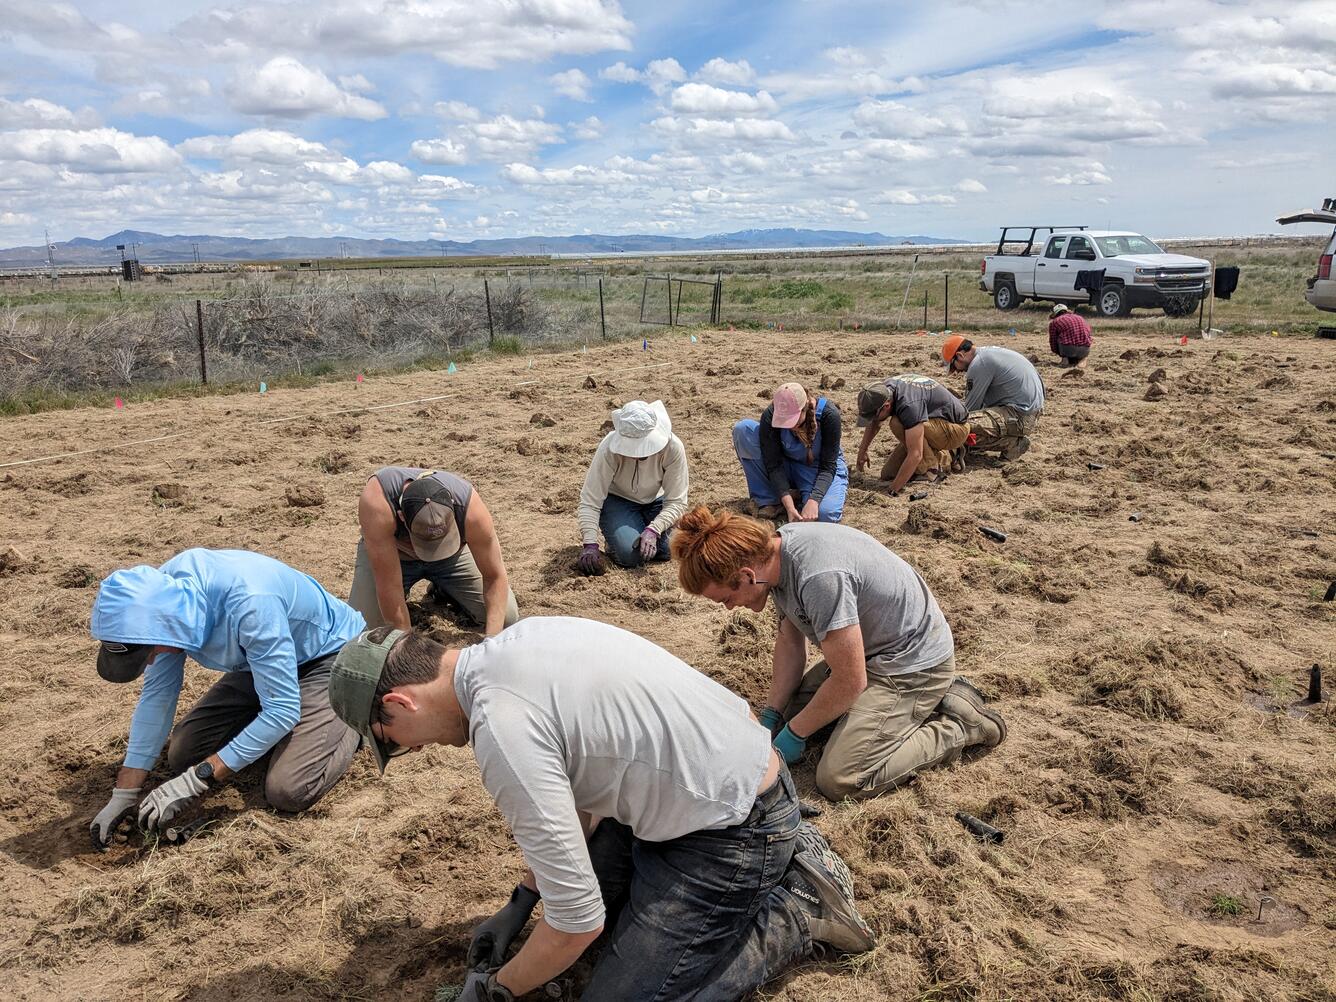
792, 457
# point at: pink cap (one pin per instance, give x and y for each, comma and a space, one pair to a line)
790, 399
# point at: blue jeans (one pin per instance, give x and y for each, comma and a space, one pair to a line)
702, 917
622, 522
747, 445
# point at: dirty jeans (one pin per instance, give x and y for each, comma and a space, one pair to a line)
998, 428
940, 439
888, 735
700, 917
802, 475
622, 522
457, 576
303, 766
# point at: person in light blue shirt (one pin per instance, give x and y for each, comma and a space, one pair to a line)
272, 631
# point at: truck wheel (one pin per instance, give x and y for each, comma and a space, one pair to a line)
1113, 301
1004, 296
1180, 306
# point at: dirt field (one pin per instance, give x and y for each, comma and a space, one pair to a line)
1151, 793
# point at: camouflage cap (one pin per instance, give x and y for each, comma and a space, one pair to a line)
352, 687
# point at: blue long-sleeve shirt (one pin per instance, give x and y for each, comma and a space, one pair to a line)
230, 610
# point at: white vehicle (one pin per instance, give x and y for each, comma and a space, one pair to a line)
1137, 273
1322, 286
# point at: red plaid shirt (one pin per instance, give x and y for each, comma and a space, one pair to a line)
1068, 328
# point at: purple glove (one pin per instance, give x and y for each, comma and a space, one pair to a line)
649, 543
591, 560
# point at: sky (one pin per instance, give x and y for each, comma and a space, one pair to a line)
462, 119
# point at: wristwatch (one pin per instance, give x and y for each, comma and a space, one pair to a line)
204, 771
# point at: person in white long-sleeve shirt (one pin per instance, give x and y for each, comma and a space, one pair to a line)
636, 489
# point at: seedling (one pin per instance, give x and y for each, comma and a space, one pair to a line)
1225, 905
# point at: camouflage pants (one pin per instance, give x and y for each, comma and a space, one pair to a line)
940, 439
996, 429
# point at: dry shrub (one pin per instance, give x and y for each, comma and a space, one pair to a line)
1136, 689
1308, 817
1112, 776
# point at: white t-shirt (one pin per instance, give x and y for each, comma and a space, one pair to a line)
570, 715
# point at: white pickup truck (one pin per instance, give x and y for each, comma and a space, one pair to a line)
1137, 273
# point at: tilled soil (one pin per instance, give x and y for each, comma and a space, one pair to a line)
1155, 788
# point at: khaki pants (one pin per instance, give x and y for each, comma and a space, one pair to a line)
888, 735
940, 439
457, 576
996, 429
303, 766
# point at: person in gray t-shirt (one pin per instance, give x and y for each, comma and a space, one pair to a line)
624, 774
1003, 393
888, 681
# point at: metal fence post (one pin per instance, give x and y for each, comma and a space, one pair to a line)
602, 319
491, 332
670, 299
946, 300
925, 309
199, 330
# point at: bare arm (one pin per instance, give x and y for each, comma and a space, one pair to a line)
789, 661
914, 455
843, 649
545, 954
480, 532
869, 433
378, 524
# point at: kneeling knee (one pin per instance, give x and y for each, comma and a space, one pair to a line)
288, 797
834, 784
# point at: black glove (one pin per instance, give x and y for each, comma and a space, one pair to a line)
492, 938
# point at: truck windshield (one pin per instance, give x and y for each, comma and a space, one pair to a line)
1133, 244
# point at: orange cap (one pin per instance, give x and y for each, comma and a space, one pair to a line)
952, 345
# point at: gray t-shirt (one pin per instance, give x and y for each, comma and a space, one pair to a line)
570, 715
832, 576
917, 399
1000, 377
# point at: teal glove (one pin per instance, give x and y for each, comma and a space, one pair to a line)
772, 720
790, 745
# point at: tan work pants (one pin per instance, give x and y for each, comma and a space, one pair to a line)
940, 439
888, 735
457, 576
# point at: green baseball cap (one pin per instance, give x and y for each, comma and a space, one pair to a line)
352, 687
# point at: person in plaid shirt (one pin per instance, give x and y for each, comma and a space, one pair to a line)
1069, 336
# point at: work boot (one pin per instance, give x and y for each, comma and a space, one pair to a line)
967, 706
821, 881
958, 460
1016, 449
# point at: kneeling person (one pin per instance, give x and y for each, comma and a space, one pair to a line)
1003, 394
419, 524
635, 490
644, 796
888, 681
928, 421
273, 633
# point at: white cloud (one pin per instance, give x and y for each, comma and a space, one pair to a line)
348, 171
619, 72
970, 186
715, 102
572, 84
590, 128
1094, 175
271, 146
744, 163
578, 175
893, 150
894, 120
851, 209
37, 113
458, 111
721, 71
95, 151
441, 186
289, 89
505, 136
901, 196
439, 151
709, 130
480, 34
658, 76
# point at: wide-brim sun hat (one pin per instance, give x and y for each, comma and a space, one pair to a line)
640, 429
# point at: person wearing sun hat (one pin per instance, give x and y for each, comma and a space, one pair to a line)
1003, 394
428, 524
271, 631
635, 490
792, 458
644, 796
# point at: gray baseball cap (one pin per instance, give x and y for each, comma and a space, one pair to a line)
352, 688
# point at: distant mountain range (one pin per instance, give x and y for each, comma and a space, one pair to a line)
155, 248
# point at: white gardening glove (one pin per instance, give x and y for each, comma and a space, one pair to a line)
169, 799
104, 825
